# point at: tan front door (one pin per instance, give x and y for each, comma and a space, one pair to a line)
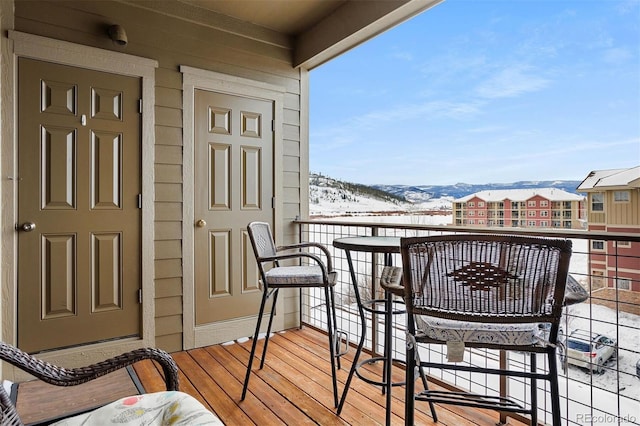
233, 186
79, 221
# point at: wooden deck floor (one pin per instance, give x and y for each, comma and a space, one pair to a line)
294, 387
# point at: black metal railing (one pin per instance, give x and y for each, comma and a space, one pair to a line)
611, 395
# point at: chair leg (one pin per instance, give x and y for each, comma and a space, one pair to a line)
266, 337
336, 342
388, 355
265, 295
423, 376
555, 391
410, 383
328, 295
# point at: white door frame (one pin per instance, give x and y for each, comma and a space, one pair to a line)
193, 78
46, 49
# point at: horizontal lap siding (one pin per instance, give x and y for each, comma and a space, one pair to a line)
173, 42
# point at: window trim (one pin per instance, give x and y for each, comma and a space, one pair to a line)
593, 202
627, 198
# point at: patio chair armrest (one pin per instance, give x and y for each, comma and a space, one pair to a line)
306, 244
60, 376
316, 258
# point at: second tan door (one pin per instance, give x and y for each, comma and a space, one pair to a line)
79, 243
233, 186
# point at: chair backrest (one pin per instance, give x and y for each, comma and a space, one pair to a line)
261, 240
486, 278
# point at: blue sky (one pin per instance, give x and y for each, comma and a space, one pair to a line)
484, 92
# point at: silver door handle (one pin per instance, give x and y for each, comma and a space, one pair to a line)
27, 227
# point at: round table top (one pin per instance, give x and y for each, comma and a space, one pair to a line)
373, 244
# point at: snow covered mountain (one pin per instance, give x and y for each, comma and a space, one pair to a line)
331, 197
426, 192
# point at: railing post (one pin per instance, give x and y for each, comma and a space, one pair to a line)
374, 316
504, 383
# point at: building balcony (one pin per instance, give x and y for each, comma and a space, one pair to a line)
612, 394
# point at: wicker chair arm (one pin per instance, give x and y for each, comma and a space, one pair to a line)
59, 376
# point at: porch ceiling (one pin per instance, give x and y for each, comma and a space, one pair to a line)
314, 30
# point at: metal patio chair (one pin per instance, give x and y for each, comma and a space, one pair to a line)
315, 274
484, 291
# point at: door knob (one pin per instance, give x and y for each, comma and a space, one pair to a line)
201, 223
27, 226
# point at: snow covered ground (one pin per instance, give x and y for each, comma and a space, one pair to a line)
333, 202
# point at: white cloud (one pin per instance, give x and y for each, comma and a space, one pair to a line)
512, 82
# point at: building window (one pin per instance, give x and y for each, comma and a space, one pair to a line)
481, 213
531, 213
597, 202
623, 284
544, 203
480, 203
621, 196
532, 223
531, 203
544, 224
471, 204
622, 244
597, 245
481, 222
544, 213
472, 213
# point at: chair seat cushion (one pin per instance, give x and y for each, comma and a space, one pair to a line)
298, 276
447, 330
160, 408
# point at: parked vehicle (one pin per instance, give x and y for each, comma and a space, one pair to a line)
590, 350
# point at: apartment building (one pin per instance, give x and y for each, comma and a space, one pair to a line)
613, 205
521, 208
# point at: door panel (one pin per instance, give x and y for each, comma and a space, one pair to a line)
234, 186
79, 159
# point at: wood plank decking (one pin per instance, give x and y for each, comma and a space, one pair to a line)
294, 387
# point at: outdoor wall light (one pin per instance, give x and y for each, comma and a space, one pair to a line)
118, 35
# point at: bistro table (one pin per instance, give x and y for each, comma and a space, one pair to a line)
387, 246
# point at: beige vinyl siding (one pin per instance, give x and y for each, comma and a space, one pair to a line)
623, 213
174, 42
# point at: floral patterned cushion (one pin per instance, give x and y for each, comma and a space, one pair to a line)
297, 275
160, 408
447, 330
